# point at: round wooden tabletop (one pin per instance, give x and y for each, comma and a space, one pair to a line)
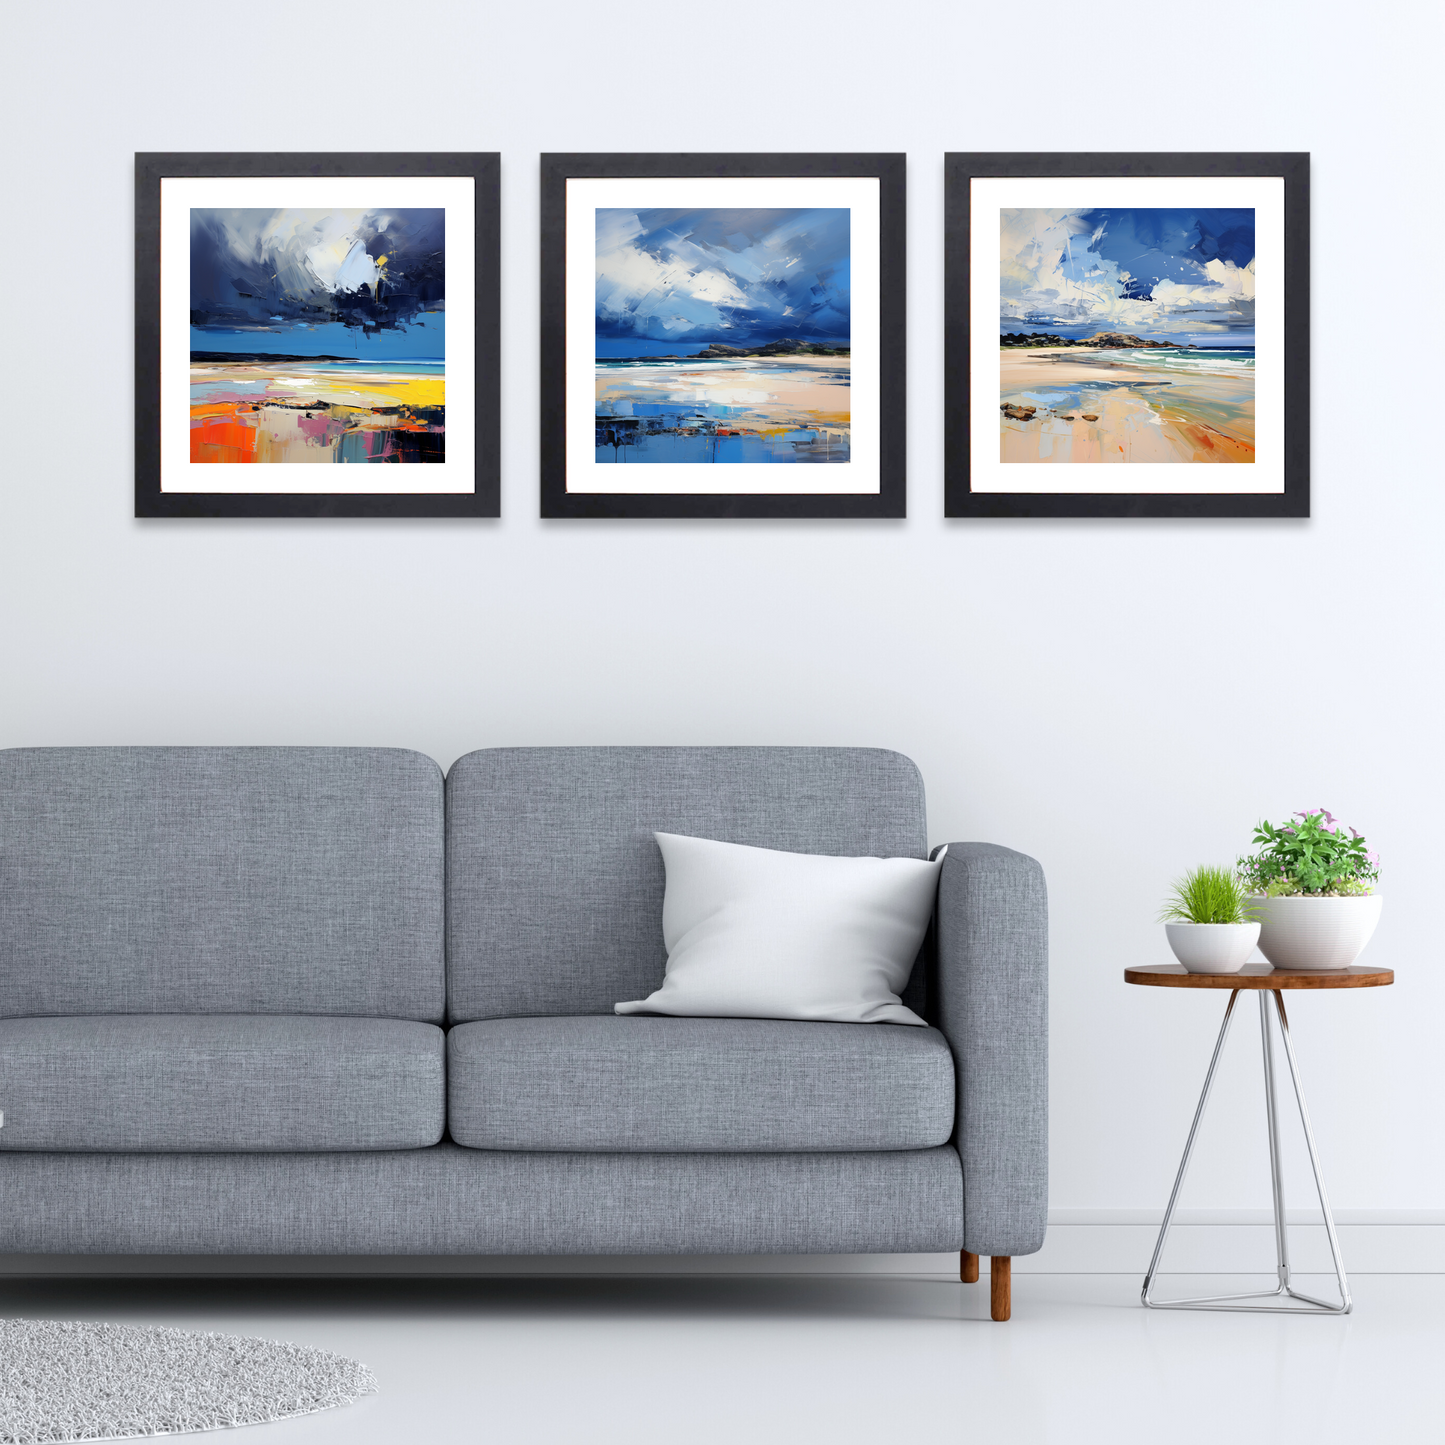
1261, 975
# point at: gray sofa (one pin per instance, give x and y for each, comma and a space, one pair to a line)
319, 1001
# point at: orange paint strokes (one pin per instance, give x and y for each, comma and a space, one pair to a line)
217, 435
1207, 444
222, 408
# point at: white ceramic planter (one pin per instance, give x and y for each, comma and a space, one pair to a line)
1212, 947
1316, 933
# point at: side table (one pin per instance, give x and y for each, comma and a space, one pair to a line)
1269, 983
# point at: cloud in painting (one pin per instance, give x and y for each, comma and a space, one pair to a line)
737, 276
1161, 273
256, 270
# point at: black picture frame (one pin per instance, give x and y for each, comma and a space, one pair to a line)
891, 498
960, 170
151, 501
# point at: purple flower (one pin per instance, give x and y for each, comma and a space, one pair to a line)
1372, 857
1290, 831
1329, 819
1355, 832
1328, 828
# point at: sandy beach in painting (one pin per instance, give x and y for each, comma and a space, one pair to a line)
791, 409
317, 411
1086, 404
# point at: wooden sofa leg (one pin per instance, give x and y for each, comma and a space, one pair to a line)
968, 1267
1000, 1295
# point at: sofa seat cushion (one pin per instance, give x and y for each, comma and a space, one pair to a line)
713, 1085
229, 1082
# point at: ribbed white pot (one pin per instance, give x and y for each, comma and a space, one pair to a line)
1317, 933
1212, 947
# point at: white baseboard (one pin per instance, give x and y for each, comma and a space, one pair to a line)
1078, 1242
1240, 1246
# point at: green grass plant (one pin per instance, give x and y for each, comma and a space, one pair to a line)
1208, 895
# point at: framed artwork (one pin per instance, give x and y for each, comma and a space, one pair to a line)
723, 336
316, 335
1127, 335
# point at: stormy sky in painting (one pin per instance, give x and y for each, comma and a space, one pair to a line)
1181, 276
741, 277
368, 284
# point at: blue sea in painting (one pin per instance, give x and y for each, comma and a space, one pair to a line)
789, 409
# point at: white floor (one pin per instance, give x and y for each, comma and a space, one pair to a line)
747, 1360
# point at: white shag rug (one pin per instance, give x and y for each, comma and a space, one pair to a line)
63, 1380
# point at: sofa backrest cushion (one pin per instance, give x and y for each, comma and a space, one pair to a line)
221, 880
555, 882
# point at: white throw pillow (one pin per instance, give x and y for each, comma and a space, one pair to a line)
754, 933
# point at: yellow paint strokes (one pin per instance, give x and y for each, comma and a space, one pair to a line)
342, 390
336, 386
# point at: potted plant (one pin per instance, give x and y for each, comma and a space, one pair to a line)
1314, 891
1209, 922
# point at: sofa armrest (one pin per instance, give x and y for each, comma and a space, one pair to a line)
992, 1005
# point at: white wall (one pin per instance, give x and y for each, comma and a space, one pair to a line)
1120, 699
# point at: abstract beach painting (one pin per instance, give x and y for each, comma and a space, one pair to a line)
318, 335
1127, 334
723, 335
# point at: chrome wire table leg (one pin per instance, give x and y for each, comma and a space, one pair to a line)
1188, 1150
1276, 1172
1311, 1305
1345, 1304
